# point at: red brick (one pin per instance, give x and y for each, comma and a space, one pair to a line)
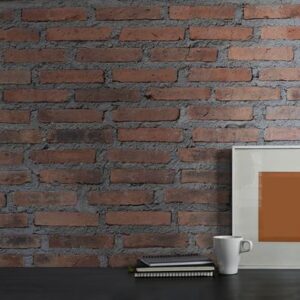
11, 260
122, 197
206, 155
144, 75
128, 13
280, 32
185, 93
78, 34
65, 260
107, 95
31, 198
220, 33
34, 95
197, 196
138, 218
152, 34
271, 11
220, 113
9, 220
261, 53
204, 240
70, 176
24, 136
6, 15
225, 135
123, 260
220, 74
11, 158
15, 77
184, 54
14, 116
150, 135
19, 35
81, 241
109, 54
72, 76
63, 156
70, 116
203, 176
247, 93
89, 136
2, 200
54, 14
34, 55
280, 74
293, 94
190, 218
14, 177
282, 134
68, 219
283, 113
182, 12
138, 156
19, 241
145, 114
151, 240
142, 176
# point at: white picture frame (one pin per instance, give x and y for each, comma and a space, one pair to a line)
247, 161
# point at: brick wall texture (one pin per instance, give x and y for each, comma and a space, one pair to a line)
118, 118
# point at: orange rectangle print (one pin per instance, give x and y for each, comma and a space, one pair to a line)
279, 207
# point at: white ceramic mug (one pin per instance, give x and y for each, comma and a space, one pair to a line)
227, 249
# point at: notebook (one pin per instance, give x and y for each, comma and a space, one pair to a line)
173, 274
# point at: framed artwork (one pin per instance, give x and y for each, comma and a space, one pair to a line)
266, 204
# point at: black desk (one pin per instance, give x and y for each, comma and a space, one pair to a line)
102, 284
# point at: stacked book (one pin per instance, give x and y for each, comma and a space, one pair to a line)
174, 266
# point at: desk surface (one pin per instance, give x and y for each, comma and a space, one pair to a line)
117, 284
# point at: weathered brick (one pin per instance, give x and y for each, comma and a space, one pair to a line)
182, 12
190, 218
107, 95
225, 135
152, 34
81, 241
35, 95
138, 156
145, 114
204, 240
280, 74
185, 93
19, 35
24, 136
150, 135
14, 177
11, 157
68, 219
144, 75
109, 54
128, 13
11, 260
123, 260
10, 220
19, 241
206, 155
248, 93
78, 34
207, 177
63, 156
184, 54
80, 176
120, 197
183, 195
261, 53
89, 136
282, 134
54, 14
6, 15
72, 76
34, 55
272, 11
220, 113
15, 77
142, 176
32, 198
2, 200
14, 116
293, 94
138, 218
220, 33
65, 260
151, 240
70, 116
283, 113
280, 32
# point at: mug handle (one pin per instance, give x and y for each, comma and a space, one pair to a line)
249, 248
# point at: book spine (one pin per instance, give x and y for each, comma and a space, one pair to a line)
173, 274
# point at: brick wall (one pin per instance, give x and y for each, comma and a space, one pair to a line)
117, 122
